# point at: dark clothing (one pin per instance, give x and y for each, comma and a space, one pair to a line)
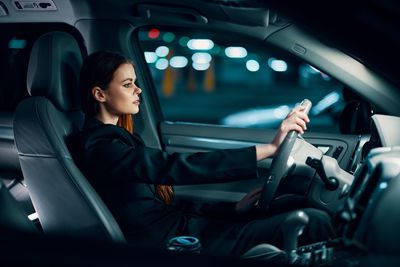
124, 172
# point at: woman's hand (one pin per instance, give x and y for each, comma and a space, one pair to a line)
248, 201
296, 120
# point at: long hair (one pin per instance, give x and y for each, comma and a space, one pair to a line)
98, 70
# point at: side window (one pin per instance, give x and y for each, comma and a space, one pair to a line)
212, 78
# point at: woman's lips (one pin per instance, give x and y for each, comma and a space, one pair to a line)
137, 102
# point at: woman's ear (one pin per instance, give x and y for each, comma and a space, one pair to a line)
98, 94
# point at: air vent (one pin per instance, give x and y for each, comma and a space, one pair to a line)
43, 5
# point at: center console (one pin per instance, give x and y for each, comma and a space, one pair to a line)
369, 220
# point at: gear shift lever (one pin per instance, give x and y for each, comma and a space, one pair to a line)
292, 228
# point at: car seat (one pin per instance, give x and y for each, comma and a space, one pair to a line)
64, 200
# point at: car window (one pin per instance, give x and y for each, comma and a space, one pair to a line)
218, 79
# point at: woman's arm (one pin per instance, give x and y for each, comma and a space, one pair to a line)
115, 160
296, 120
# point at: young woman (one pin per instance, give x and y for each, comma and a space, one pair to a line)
136, 181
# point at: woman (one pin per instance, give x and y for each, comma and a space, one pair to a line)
136, 181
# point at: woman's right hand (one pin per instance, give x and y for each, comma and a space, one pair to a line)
248, 201
296, 120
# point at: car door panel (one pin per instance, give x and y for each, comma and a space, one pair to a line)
190, 138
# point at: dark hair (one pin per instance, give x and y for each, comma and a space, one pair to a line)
98, 70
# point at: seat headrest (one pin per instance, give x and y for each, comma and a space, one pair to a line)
53, 70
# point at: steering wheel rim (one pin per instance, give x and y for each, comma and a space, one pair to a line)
279, 166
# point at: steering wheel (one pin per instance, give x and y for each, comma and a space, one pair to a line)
279, 166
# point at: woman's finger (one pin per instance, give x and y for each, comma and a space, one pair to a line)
303, 116
255, 197
301, 123
299, 111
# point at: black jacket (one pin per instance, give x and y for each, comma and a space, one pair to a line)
124, 172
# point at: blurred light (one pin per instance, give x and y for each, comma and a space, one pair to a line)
151, 57
162, 51
325, 77
183, 41
162, 64
201, 58
252, 65
383, 185
154, 33
281, 112
178, 62
17, 44
200, 66
251, 117
33, 216
168, 37
329, 100
313, 70
235, 52
277, 65
308, 71
200, 44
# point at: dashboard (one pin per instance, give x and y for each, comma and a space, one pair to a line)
370, 214
385, 132
368, 220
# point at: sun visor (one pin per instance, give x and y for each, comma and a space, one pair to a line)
248, 15
165, 13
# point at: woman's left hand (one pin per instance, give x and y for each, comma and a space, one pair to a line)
248, 201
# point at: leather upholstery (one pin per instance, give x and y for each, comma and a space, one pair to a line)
8, 152
64, 200
12, 216
54, 66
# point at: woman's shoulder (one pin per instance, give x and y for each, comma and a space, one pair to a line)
95, 131
102, 130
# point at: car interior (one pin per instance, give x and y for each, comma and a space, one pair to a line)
346, 164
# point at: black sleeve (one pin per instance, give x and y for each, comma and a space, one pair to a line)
215, 209
123, 161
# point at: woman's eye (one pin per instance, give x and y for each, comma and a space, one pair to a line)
128, 85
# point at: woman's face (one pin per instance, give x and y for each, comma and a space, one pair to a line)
122, 95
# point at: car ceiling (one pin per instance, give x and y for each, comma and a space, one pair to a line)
365, 29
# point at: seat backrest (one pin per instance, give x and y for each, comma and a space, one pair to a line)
64, 200
10, 169
12, 216
8, 152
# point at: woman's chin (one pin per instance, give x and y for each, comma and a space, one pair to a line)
135, 111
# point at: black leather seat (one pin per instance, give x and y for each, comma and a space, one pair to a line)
10, 169
12, 216
64, 200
